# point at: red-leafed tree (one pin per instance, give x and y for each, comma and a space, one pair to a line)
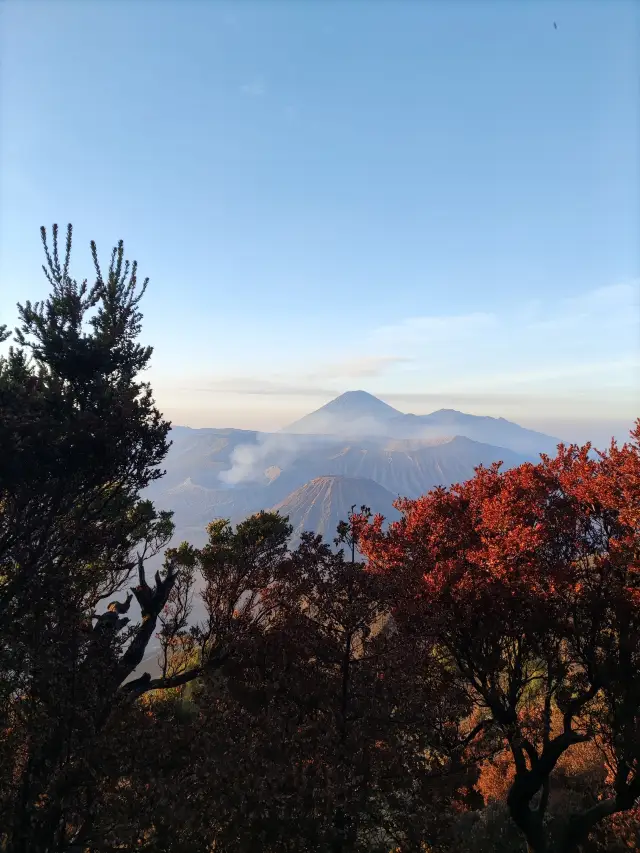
528, 582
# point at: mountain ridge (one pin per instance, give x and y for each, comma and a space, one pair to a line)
373, 448
360, 414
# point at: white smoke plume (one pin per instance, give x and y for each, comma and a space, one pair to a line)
249, 462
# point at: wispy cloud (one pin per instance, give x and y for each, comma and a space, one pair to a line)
255, 88
319, 381
591, 336
611, 371
436, 330
263, 386
357, 368
616, 307
405, 400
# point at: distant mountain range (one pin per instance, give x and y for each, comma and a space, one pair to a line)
358, 413
355, 450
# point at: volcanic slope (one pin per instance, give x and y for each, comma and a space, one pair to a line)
320, 505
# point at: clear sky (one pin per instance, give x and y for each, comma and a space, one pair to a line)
435, 202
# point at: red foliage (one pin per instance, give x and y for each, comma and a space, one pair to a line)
528, 581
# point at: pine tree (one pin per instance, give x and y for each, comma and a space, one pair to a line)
81, 438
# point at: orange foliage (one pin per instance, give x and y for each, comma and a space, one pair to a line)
528, 582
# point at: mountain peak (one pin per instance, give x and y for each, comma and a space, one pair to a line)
354, 412
360, 400
447, 413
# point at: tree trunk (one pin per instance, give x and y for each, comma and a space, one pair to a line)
528, 821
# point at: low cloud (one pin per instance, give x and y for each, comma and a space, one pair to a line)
315, 383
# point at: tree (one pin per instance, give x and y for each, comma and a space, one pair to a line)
163, 773
312, 733
81, 438
527, 581
343, 737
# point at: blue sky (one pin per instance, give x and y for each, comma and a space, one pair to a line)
436, 202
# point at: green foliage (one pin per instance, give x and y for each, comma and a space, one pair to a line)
81, 438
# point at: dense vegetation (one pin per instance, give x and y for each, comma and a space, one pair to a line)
473, 686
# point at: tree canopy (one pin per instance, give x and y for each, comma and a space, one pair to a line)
528, 582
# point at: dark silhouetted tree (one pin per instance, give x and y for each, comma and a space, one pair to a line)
81, 438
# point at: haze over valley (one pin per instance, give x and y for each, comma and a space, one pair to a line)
354, 450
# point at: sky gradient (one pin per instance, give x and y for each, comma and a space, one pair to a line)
434, 202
